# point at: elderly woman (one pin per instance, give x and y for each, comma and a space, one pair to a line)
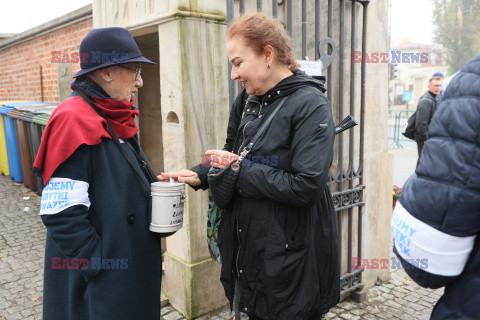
277, 236
101, 261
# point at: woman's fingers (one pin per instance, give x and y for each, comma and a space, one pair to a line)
220, 158
186, 176
192, 180
165, 176
214, 152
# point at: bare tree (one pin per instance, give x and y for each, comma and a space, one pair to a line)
457, 25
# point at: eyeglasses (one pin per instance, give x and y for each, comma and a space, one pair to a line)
136, 71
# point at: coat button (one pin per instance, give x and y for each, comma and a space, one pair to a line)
241, 271
246, 309
131, 218
286, 246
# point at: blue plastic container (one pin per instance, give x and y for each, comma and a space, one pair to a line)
11, 139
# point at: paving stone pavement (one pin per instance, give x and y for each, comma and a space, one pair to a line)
22, 245
398, 299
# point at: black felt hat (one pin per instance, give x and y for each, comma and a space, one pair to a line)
106, 47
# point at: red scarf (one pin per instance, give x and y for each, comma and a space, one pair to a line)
74, 123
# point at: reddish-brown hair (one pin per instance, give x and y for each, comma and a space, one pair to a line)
259, 30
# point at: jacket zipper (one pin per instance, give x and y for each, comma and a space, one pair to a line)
236, 209
261, 106
238, 251
237, 228
243, 131
243, 139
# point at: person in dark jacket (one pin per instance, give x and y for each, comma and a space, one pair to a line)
436, 222
101, 260
427, 105
277, 238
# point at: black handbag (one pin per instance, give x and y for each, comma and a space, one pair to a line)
409, 130
222, 182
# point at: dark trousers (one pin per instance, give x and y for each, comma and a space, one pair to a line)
420, 144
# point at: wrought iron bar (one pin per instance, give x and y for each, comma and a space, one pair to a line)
352, 90
330, 50
275, 8
341, 84
304, 29
259, 5
317, 29
231, 84
362, 117
340, 116
242, 7
289, 17
351, 170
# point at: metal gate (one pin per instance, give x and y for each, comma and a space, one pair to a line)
347, 182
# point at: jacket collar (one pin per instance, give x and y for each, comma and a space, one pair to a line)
289, 85
90, 87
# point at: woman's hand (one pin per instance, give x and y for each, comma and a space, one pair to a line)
220, 159
187, 176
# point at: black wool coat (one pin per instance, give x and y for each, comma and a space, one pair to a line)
101, 260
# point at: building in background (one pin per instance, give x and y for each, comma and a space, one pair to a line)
36, 65
414, 75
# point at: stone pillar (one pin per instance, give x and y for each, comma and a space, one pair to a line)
194, 99
377, 236
194, 113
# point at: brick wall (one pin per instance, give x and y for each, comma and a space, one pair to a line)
20, 64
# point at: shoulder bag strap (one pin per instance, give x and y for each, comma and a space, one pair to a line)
262, 129
114, 138
143, 163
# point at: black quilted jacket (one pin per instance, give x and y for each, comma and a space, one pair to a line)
436, 223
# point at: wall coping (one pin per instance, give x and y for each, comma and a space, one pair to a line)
7, 35
172, 15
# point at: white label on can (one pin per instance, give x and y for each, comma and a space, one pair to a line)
167, 211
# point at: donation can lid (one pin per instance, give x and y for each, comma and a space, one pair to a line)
168, 187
